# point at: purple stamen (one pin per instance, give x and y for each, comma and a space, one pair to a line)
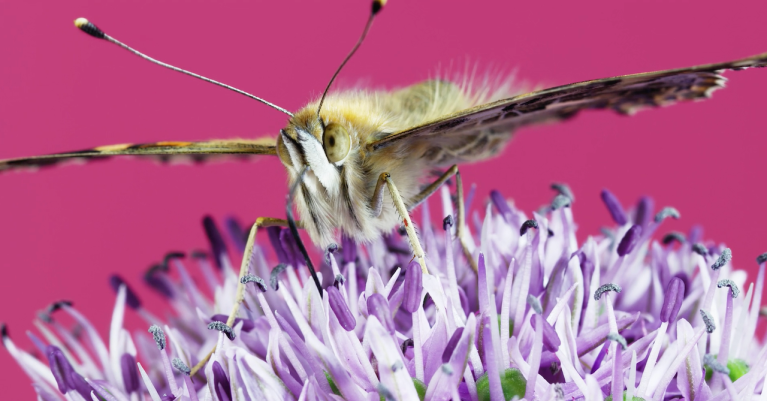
644, 210
60, 367
629, 240
274, 240
761, 258
221, 383
155, 278
551, 340
447, 222
130, 373
239, 236
672, 301
339, 307
451, 344
667, 212
500, 204
614, 207
600, 357
617, 382
247, 324
349, 249
378, 306
413, 287
217, 245
131, 299
80, 385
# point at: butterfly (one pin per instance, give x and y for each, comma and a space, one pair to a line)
360, 161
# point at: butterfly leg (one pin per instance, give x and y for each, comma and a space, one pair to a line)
244, 269
399, 204
460, 231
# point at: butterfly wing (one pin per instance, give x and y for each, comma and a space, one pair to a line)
164, 151
480, 132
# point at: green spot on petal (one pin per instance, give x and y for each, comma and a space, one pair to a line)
737, 366
511, 325
512, 382
332, 384
634, 398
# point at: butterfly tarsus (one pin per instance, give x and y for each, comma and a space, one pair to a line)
244, 271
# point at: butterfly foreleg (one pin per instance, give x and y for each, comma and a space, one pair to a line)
399, 204
244, 269
461, 230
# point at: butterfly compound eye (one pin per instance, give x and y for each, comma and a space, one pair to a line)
336, 142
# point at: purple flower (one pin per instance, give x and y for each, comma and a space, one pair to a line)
544, 318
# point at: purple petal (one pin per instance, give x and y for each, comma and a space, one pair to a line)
600, 357
339, 307
378, 306
413, 287
61, 369
349, 249
274, 239
551, 340
500, 203
239, 236
217, 245
672, 302
80, 385
614, 207
630, 240
130, 373
451, 344
221, 383
247, 324
131, 299
644, 210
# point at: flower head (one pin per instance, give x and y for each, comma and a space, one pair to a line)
544, 318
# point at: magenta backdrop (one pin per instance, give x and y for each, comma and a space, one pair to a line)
65, 230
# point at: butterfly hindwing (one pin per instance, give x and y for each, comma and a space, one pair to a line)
165, 151
486, 128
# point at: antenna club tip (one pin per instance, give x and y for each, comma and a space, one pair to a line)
88, 27
378, 5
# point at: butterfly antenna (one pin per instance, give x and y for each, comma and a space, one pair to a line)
294, 229
91, 29
377, 6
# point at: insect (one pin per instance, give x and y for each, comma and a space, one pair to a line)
360, 162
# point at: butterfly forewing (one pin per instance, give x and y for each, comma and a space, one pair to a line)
164, 151
480, 132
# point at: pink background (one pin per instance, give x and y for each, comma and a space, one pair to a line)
65, 230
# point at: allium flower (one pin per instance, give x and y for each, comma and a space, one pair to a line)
543, 318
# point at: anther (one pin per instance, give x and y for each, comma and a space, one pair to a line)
179, 365
667, 212
614, 207
560, 201
447, 222
708, 321
700, 249
274, 276
222, 327
534, 303
629, 240
723, 259
710, 361
407, 344
563, 189
158, 335
673, 236
761, 258
605, 288
729, 283
249, 278
618, 339
526, 226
